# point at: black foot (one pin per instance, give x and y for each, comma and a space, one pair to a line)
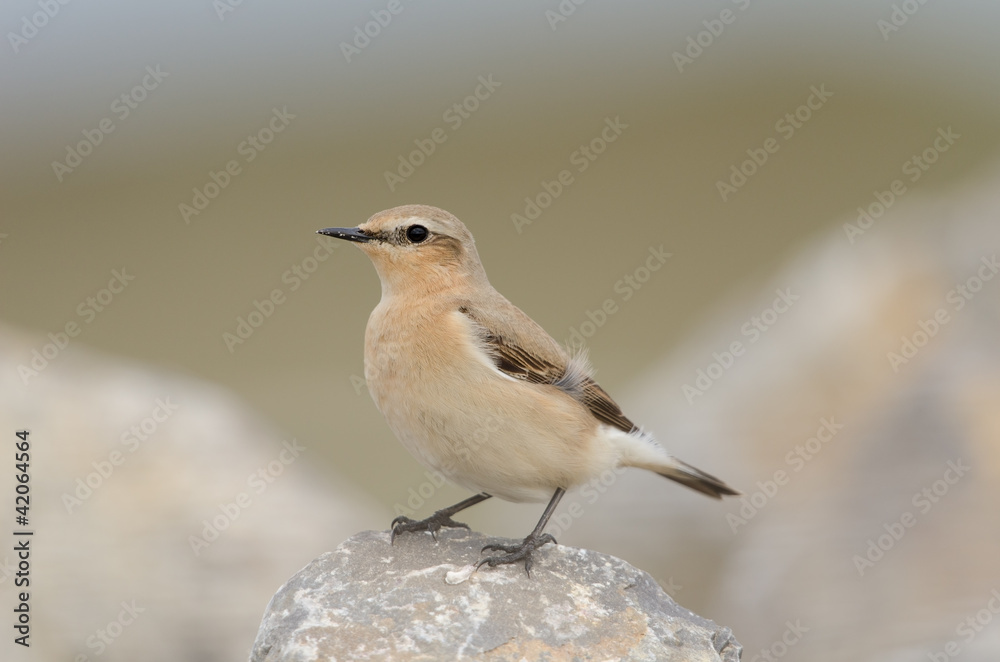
434, 523
515, 553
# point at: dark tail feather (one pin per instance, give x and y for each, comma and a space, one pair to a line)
697, 479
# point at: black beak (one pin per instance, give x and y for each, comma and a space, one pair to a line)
350, 234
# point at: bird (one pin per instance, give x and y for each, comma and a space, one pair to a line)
478, 391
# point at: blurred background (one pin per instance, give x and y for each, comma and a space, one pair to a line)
187, 354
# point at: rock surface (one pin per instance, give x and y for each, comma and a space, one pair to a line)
416, 600
130, 466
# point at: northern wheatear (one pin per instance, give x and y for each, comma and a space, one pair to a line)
478, 391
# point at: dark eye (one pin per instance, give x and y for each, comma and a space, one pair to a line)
416, 233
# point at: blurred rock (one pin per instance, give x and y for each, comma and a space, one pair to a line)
165, 513
860, 519
415, 600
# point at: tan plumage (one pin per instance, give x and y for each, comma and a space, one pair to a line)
474, 388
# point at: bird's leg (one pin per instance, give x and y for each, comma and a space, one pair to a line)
535, 539
441, 518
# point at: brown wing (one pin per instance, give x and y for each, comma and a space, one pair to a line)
603, 407
522, 364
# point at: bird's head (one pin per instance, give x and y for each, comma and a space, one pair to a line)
416, 247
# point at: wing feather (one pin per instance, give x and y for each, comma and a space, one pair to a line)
514, 360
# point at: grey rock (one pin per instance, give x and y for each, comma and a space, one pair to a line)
123, 532
415, 600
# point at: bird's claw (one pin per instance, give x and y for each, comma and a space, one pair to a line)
515, 553
434, 523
